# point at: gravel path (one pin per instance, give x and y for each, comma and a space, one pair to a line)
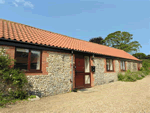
124, 97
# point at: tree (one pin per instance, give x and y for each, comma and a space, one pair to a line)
98, 40
139, 55
122, 40
147, 57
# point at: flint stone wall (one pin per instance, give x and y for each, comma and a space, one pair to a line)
102, 77
58, 79
99, 71
112, 76
132, 66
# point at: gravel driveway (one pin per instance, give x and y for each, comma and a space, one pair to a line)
129, 97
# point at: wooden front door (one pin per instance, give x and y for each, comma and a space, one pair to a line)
80, 74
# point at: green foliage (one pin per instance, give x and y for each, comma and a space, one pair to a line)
128, 71
148, 57
122, 40
120, 77
145, 65
146, 60
5, 62
3, 100
139, 55
13, 83
98, 40
133, 76
32, 96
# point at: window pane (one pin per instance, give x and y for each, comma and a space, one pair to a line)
35, 59
22, 58
107, 64
87, 66
87, 79
121, 65
111, 65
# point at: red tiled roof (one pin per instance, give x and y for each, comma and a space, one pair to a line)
20, 32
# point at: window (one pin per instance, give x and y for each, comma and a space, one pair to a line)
109, 65
122, 65
28, 60
87, 79
87, 64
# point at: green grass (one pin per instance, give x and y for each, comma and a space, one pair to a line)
32, 96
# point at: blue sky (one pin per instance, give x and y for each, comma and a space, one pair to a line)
83, 19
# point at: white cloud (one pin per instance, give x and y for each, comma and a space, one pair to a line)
25, 3
19, 0
15, 4
28, 4
2, 1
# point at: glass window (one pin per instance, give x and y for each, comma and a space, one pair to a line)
22, 58
122, 65
87, 79
35, 59
27, 60
109, 65
87, 65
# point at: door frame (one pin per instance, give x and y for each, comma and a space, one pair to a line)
85, 85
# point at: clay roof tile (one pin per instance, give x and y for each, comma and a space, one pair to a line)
25, 33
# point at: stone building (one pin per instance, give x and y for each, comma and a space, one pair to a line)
55, 63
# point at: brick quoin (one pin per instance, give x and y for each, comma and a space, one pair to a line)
91, 73
10, 50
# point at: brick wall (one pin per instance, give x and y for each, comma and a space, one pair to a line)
10, 50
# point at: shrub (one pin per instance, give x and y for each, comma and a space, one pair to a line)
120, 76
145, 67
131, 76
13, 83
